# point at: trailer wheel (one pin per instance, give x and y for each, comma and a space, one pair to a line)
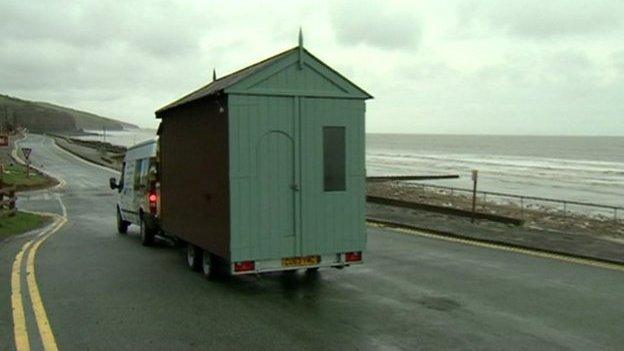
208, 265
147, 234
193, 257
122, 226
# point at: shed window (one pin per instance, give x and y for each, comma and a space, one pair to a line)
334, 158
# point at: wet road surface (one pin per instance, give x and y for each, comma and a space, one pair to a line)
104, 291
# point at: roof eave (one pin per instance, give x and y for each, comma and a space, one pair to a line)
175, 105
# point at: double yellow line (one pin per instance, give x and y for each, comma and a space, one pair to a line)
20, 331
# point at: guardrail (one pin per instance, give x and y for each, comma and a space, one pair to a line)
7, 206
524, 200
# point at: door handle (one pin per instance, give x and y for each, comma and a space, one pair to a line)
294, 187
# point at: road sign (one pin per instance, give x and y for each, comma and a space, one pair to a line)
4, 140
26, 151
475, 174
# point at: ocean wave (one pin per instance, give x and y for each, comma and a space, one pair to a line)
525, 164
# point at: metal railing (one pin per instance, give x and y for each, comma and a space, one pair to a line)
524, 200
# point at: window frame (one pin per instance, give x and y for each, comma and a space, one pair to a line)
337, 180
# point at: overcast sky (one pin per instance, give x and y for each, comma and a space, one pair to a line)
478, 67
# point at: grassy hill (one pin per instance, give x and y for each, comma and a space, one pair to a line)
45, 117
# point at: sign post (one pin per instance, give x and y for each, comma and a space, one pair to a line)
475, 176
26, 151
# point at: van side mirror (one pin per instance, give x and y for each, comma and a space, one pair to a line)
112, 182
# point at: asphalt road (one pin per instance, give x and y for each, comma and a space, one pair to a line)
104, 291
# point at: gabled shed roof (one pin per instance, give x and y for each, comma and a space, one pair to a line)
231, 79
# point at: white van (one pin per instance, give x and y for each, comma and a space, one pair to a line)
139, 192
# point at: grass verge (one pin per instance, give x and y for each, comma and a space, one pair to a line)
15, 174
22, 222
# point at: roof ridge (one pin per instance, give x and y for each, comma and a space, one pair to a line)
255, 64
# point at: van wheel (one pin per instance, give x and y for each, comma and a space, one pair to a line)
122, 226
208, 265
147, 234
193, 257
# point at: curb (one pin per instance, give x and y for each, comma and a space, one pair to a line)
82, 157
442, 209
494, 242
14, 155
33, 232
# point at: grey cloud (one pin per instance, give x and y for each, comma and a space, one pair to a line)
127, 59
160, 29
375, 24
538, 19
618, 62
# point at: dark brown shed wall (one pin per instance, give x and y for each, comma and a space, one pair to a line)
194, 180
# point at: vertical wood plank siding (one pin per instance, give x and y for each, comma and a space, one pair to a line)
256, 171
194, 177
324, 222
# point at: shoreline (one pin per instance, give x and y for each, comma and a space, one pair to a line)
564, 239
535, 215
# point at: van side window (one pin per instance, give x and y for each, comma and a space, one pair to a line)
137, 174
144, 171
128, 174
334, 158
122, 178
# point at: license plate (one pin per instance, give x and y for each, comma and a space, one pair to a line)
300, 261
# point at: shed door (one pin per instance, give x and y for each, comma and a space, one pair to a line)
276, 184
332, 176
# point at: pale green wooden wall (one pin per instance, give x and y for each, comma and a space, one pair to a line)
275, 122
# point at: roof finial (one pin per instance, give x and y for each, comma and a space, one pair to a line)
214, 74
300, 49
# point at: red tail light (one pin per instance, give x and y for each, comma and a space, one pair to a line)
353, 256
244, 266
153, 202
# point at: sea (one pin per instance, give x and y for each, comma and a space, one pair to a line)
126, 137
572, 168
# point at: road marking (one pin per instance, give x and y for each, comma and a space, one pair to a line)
500, 247
45, 331
20, 332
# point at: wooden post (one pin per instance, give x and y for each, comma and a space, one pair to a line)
1, 183
474, 194
12, 210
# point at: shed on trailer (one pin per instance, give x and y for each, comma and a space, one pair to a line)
266, 165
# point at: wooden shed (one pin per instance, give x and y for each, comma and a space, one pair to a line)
267, 163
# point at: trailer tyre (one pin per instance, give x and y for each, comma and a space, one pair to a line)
208, 265
122, 226
194, 257
147, 234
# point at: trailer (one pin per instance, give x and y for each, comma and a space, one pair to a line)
264, 169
